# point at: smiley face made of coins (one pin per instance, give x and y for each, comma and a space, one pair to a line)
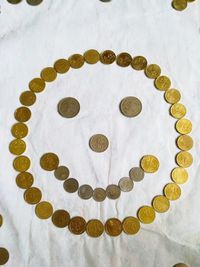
146, 214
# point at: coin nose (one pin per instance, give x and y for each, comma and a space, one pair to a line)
98, 143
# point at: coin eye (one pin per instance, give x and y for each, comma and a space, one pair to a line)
68, 107
130, 106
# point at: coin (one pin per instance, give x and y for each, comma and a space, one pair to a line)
184, 126
179, 4
68, 107
48, 74
1, 220
91, 56
125, 184
179, 175
60, 218
178, 110
98, 143
24, 180
172, 96
19, 130
152, 71
37, 85
146, 214
99, 194
107, 57
149, 163
113, 227
49, 161
85, 191
27, 98
131, 225
181, 264
22, 114
136, 174
94, 228
32, 195
62, 65
14, 1
162, 83
17, 147
76, 61
21, 163
4, 256
130, 106
61, 173
44, 210
71, 185
184, 142
34, 2
172, 191
113, 191
139, 63
184, 159
77, 225
124, 59
160, 204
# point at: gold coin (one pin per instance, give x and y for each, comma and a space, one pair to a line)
49, 161
181, 264
184, 142
24, 180
184, 159
44, 210
113, 227
152, 71
68, 107
34, 2
14, 1
1, 220
139, 63
178, 110
131, 225
60, 218
62, 65
19, 130
37, 85
91, 56
76, 61
99, 143
179, 4
172, 96
160, 204
124, 59
27, 98
94, 228
162, 83
146, 214
4, 256
32, 195
48, 74
77, 225
22, 114
149, 163
172, 191
107, 57
179, 175
130, 106
21, 163
184, 126
17, 147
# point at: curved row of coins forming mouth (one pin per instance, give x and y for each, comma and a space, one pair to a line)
4, 254
160, 203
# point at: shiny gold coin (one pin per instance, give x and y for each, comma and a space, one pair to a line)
107, 57
178, 110
32, 195
113, 227
152, 71
98, 143
149, 163
27, 98
130, 106
24, 180
49, 161
62, 65
68, 107
91, 56
17, 147
172, 191
179, 4
172, 96
77, 225
22, 114
139, 63
160, 204
184, 142
4, 256
60, 218
94, 228
179, 175
131, 225
124, 59
162, 83
184, 126
48, 74
1, 220
44, 210
37, 85
21, 163
76, 61
19, 130
146, 214
184, 159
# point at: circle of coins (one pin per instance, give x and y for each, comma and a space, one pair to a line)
113, 226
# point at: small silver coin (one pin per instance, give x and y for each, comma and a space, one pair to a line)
61, 173
125, 184
136, 174
85, 191
113, 191
71, 185
130, 106
99, 194
68, 107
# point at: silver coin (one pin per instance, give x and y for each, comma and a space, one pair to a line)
68, 107
125, 184
99, 194
71, 185
34, 2
85, 191
61, 173
113, 191
136, 174
130, 106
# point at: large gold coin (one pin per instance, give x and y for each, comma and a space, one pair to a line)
24, 180
184, 142
37, 85
4, 256
178, 110
152, 71
184, 126
172, 96
44, 210
91, 56
179, 4
160, 204
179, 175
48, 74
184, 159
172, 191
49, 161
19, 130
162, 83
107, 57
32, 195
27, 98
113, 227
22, 114
68, 107
94, 228
76, 61
1, 220
146, 214
21, 163
131, 225
60, 218
139, 63
150, 163
124, 59
62, 65
99, 143
77, 225
17, 147
130, 106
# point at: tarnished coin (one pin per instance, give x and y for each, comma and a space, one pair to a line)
94, 228
62, 66
146, 214
184, 126
125, 184
1, 220
160, 204
48, 74
37, 85
179, 175
113, 191
17, 147
34, 2
68, 107
136, 174
99, 194
44, 210
71, 185
172, 96
130, 106
4, 256
124, 59
14, 1
184, 159
27, 98
60, 218
19, 130
22, 114
152, 71
184, 142
172, 191
24, 180
113, 227
149, 163
107, 57
179, 4
139, 63
77, 225
178, 110
131, 225
49, 161
85, 191
162, 83
76, 61
32, 195
98, 143
61, 173
91, 56
21, 163
181, 264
